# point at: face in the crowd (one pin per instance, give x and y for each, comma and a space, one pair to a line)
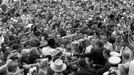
96, 46
58, 36
68, 32
103, 39
34, 73
93, 41
68, 27
106, 56
8, 50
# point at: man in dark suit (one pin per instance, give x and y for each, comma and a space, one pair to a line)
96, 55
85, 69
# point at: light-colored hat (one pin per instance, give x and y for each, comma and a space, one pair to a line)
113, 53
58, 66
114, 60
29, 25
106, 73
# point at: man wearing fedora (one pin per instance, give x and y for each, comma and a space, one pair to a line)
58, 67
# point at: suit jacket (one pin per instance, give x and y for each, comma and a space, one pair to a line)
96, 55
105, 68
85, 71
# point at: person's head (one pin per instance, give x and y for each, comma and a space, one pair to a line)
74, 68
25, 52
127, 55
93, 40
103, 39
51, 43
13, 66
58, 66
82, 63
106, 54
8, 49
33, 71
98, 44
118, 38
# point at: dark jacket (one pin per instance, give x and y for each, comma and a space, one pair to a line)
96, 55
105, 68
85, 71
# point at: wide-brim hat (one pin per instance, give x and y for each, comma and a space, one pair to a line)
114, 60
58, 66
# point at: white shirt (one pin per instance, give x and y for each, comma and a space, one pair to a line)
88, 49
108, 45
48, 51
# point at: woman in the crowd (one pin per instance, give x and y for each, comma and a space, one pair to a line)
127, 57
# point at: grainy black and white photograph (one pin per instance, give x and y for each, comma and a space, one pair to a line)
66, 37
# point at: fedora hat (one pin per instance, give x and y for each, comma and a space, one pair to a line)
58, 66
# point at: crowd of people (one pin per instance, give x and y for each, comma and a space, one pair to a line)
66, 37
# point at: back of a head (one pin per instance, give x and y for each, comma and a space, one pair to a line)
51, 43
82, 63
74, 68
99, 43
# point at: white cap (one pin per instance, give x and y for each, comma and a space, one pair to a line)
114, 60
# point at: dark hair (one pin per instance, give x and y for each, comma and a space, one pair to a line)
34, 43
51, 43
26, 44
82, 63
15, 46
99, 43
106, 51
74, 67
33, 56
49, 57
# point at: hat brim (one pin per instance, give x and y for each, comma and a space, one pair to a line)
53, 67
115, 54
